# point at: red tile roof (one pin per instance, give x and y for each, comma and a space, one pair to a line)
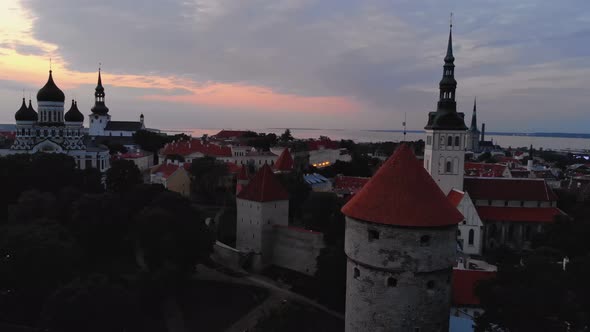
226, 134
284, 162
518, 214
166, 170
264, 187
402, 193
455, 197
322, 144
484, 170
243, 173
232, 168
185, 148
464, 283
349, 184
508, 189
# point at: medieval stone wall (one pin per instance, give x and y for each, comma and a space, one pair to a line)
297, 249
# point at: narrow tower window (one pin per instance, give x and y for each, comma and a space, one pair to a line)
373, 235
471, 236
457, 140
391, 282
356, 273
449, 167
450, 141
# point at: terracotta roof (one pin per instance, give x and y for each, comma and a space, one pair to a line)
226, 134
185, 148
518, 214
398, 194
322, 144
484, 170
509, 189
455, 197
166, 170
233, 168
349, 184
264, 187
464, 283
243, 175
284, 162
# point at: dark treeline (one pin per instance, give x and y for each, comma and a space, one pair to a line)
77, 257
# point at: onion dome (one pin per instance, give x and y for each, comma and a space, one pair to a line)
25, 113
50, 92
74, 114
402, 193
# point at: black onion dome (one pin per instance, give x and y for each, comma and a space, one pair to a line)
99, 108
74, 114
25, 113
50, 92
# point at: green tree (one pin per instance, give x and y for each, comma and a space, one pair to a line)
207, 175
286, 136
122, 176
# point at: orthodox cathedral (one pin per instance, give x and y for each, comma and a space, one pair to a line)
51, 130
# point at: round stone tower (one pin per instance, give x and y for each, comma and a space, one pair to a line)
400, 241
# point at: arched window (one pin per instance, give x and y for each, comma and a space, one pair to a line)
457, 140
449, 167
471, 236
450, 141
356, 273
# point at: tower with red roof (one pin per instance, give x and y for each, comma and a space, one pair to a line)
261, 204
285, 162
444, 152
400, 242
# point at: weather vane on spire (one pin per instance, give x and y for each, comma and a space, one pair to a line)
451, 20
99, 65
50, 64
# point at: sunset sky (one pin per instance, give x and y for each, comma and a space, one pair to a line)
303, 63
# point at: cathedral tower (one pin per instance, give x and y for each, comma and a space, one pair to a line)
99, 118
473, 132
444, 153
400, 243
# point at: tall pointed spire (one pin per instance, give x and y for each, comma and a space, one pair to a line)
99, 105
446, 116
473, 126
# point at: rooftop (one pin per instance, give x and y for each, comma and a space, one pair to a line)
509, 189
264, 187
398, 194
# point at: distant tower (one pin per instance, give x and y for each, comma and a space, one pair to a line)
444, 153
284, 163
142, 120
262, 204
26, 119
99, 118
473, 132
400, 241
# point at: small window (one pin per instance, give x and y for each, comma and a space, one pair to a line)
391, 282
449, 167
471, 237
450, 141
457, 140
430, 284
521, 203
428, 140
356, 273
424, 240
373, 235
505, 203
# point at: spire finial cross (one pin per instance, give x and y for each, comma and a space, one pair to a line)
99, 65
50, 64
451, 20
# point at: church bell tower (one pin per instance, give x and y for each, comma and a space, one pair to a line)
444, 154
99, 118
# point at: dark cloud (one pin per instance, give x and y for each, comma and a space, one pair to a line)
23, 49
385, 54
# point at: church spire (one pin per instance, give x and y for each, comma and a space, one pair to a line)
446, 116
473, 126
99, 105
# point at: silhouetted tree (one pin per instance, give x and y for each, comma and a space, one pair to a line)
122, 176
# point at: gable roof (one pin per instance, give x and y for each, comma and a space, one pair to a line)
485, 170
226, 134
518, 214
398, 194
185, 148
455, 197
464, 283
166, 170
509, 189
264, 187
284, 162
124, 125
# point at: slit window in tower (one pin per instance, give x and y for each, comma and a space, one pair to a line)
471, 236
450, 141
391, 282
373, 235
457, 140
356, 273
449, 167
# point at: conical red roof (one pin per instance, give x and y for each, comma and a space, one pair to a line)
402, 193
264, 187
243, 175
285, 161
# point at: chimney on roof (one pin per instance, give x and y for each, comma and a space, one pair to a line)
529, 165
483, 132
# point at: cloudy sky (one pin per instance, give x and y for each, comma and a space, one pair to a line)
303, 63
